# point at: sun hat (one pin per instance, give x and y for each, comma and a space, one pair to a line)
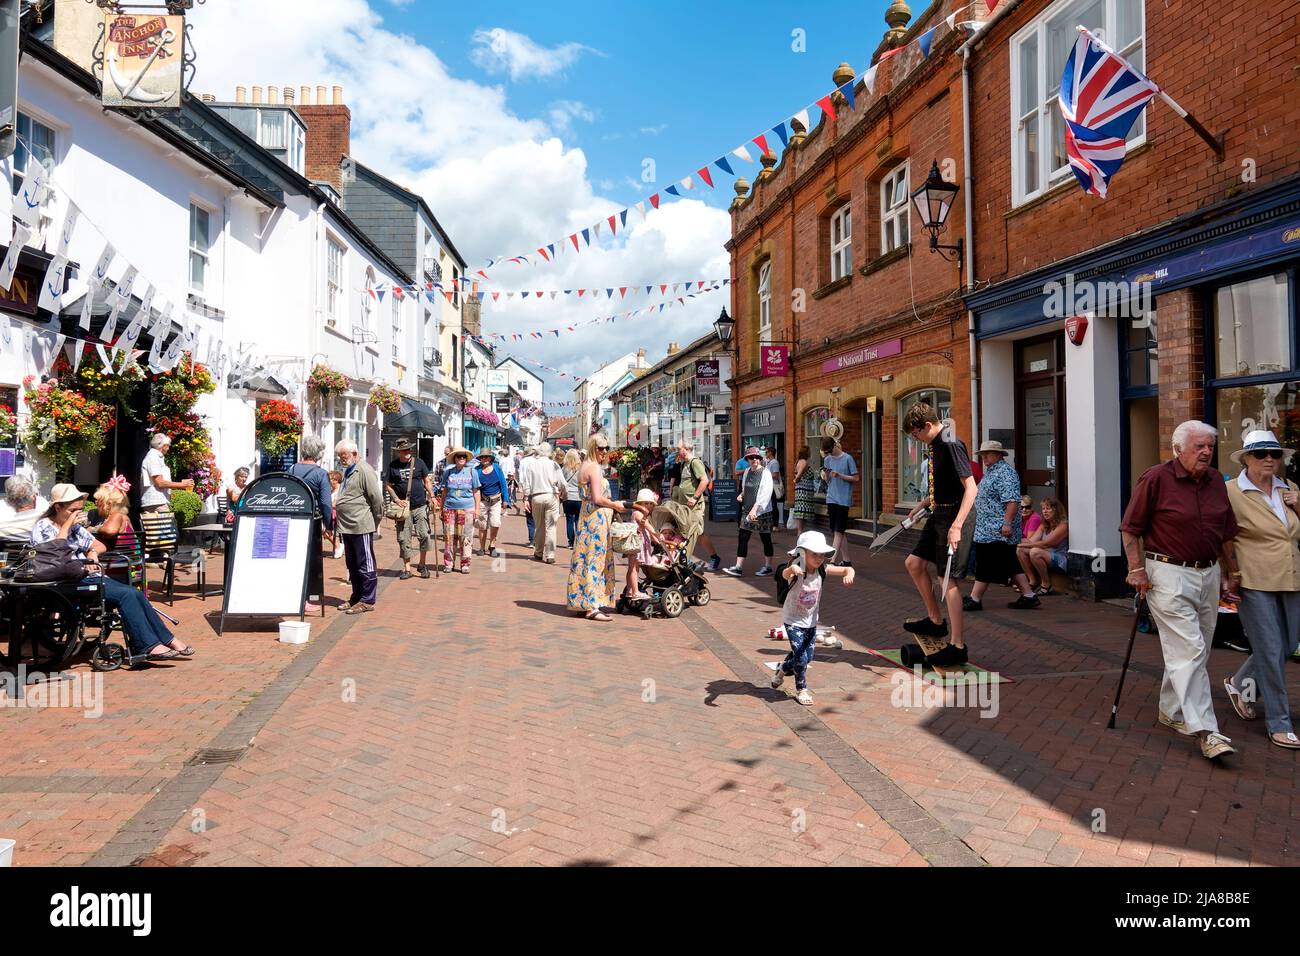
64, 493
1260, 440
457, 452
403, 444
813, 541
992, 445
487, 453
753, 451
646, 495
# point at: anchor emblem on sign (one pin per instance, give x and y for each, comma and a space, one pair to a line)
127, 86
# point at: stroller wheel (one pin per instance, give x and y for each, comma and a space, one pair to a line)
108, 657
702, 597
648, 611
672, 602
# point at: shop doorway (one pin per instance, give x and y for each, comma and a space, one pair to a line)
872, 461
1040, 416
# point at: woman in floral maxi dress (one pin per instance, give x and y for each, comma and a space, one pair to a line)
591, 572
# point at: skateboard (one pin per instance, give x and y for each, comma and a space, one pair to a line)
913, 655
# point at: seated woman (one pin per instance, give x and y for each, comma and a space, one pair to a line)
114, 530
234, 494
146, 634
1048, 546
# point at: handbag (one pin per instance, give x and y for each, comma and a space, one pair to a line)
400, 510
51, 561
778, 487
624, 537
789, 520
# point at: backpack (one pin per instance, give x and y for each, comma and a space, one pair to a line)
783, 586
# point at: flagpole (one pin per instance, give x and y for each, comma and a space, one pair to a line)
1214, 142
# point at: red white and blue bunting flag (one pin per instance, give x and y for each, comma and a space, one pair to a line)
549, 251
467, 287
564, 329
520, 358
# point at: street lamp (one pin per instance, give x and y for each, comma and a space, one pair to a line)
725, 327
471, 371
933, 200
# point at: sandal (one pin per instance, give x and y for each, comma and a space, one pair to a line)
188, 652
1285, 739
597, 616
1048, 591
169, 655
1244, 709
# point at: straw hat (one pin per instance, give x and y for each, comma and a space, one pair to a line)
457, 452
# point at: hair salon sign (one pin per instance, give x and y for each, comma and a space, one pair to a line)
142, 61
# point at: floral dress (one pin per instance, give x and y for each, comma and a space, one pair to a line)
591, 572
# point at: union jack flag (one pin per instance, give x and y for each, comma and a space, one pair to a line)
1102, 95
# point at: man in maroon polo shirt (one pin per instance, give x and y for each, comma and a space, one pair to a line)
1173, 533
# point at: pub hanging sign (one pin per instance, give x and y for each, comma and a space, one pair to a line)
143, 60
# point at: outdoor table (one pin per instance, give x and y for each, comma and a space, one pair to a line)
222, 529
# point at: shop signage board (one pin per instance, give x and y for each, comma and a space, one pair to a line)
498, 380
502, 405
863, 355
142, 60
722, 500
275, 550
707, 377
763, 421
775, 360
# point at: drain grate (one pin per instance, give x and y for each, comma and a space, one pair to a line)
211, 755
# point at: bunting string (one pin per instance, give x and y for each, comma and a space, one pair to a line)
843, 95
648, 310
471, 288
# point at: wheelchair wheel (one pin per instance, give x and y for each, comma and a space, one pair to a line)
702, 597
672, 602
108, 657
51, 628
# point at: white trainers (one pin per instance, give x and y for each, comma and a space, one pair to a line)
1215, 745
778, 678
804, 697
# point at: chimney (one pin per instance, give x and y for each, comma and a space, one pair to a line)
673, 348
329, 131
304, 94
257, 94
241, 94
288, 96
273, 94
207, 97
640, 358
76, 30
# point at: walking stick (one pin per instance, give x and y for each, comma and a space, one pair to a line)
1137, 616
437, 556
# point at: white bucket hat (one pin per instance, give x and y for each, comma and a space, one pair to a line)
812, 541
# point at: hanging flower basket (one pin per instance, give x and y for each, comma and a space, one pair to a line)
8, 424
480, 414
327, 381
386, 399
64, 425
279, 426
109, 385
171, 412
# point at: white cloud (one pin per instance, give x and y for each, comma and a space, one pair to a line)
503, 51
654, 130
564, 112
498, 182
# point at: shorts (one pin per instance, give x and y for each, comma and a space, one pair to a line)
995, 561
492, 507
1059, 561
933, 546
414, 525
838, 516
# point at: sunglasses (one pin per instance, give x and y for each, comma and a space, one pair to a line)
1273, 453
602, 448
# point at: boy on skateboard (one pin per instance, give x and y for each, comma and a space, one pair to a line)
804, 577
951, 490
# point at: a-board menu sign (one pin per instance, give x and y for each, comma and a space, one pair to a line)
722, 499
274, 548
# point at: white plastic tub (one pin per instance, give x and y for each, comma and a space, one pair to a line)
295, 632
6, 852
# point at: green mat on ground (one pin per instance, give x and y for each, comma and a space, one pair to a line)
967, 673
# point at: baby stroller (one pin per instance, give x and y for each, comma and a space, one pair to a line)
673, 585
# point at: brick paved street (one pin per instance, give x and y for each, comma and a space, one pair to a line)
471, 720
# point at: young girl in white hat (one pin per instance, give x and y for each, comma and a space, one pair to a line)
805, 575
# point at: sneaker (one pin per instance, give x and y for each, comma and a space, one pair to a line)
1214, 745
804, 697
360, 608
778, 678
970, 604
446, 569
715, 563
1025, 602
405, 576
733, 571
496, 553
923, 625
424, 571
1172, 724
764, 572
950, 656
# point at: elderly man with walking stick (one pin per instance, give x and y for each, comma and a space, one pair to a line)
1174, 532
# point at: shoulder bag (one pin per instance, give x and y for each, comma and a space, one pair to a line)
400, 510
51, 561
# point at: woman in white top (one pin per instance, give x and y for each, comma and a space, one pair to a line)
573, 498
756, 513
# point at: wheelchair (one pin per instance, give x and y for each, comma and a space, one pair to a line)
54, 622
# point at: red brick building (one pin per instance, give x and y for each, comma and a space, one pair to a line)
1185, 272
828, 257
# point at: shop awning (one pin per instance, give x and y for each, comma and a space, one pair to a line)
415, 417
511, 436
258, 382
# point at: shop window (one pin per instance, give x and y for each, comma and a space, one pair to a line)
765, 303
894, 208
1252, 327
1244, 408
813, 421
1141, 354
1038, 55
912, 453
842, 243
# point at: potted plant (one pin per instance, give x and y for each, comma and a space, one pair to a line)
186, 506
327, 381
279, 426
385, 398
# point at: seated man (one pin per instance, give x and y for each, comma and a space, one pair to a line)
19, 512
